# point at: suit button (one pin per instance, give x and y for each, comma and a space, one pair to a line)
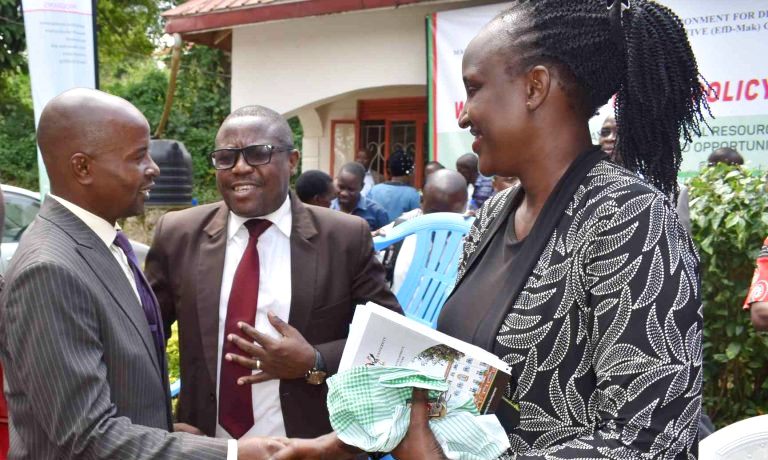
213, 396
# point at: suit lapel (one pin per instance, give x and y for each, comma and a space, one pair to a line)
210, 270
303, 265
105, 269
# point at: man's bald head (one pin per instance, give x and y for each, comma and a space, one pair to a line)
95, 147
467, 166
445, 191
81, 120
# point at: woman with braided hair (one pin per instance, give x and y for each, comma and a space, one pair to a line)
581, 278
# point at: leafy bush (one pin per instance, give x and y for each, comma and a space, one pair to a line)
172, 348
18, 148
729, 220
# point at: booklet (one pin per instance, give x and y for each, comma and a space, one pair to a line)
381, 337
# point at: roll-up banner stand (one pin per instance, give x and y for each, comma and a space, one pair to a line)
61, 50
729, 41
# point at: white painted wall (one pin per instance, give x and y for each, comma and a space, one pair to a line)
318, 67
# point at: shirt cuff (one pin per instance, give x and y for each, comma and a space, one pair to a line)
231, 449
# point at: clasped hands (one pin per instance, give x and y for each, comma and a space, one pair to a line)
419, 442
287, 357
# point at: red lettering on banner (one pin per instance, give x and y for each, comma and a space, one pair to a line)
459, 107
737, 90
748, 92
727, 97
714, 92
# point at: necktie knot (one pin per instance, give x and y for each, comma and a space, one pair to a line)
256, 227
122, 242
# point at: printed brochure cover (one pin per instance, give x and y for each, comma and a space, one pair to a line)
380, 337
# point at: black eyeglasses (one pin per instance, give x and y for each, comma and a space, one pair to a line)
254, 155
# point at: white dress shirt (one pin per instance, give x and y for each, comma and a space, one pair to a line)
274, 296
106, 233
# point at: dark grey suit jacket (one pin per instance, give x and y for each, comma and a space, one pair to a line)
83, 379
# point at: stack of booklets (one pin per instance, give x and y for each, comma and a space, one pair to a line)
380, 337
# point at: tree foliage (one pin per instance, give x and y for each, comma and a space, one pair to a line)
12, 41
729, 221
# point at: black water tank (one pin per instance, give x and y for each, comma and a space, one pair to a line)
174, 185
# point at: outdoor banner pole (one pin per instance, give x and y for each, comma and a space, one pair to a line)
95, 27
61, 50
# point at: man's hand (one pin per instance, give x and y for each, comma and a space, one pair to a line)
419, 442
288, 357
185, 428
327, 447
259, 448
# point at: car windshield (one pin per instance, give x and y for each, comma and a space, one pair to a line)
20, 211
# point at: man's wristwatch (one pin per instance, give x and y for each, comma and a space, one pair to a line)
316, 375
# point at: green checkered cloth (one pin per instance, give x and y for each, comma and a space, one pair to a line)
368, 409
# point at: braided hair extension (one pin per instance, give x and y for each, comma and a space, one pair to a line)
645, 60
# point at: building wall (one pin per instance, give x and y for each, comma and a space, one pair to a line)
345, 108
318, 67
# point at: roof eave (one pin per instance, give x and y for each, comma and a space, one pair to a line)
197, 23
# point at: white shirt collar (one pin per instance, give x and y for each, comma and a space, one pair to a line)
280, 218
103, 229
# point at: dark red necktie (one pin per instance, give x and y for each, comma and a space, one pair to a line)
235, 402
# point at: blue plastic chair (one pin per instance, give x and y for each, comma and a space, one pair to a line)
430, 278
175, 388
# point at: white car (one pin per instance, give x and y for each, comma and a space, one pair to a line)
21, 207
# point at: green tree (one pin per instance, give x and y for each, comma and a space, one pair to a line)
12, 41
729, 223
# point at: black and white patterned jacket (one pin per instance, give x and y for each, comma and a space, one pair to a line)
604, 335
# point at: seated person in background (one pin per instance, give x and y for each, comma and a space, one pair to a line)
397, 195
430, 168
757, 298
725, 155
315, 187
445, 191
350, 200
479, 187
502, 183
372, 176
608, 138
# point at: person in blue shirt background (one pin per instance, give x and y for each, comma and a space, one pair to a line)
479, 187
349, 183
397, 195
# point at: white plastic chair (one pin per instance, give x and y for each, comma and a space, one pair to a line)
743, 440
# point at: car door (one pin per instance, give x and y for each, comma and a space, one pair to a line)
20, 211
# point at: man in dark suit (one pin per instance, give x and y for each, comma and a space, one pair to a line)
263, 258
80, 335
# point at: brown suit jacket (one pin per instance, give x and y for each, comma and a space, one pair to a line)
333, 269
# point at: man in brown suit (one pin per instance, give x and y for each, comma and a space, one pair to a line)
312, 267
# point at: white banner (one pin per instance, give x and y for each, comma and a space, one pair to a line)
728, 38
60, 53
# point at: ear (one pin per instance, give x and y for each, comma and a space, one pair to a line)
293, 160
82, 168
538, 84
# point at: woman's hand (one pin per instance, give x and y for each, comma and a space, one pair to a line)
419, 443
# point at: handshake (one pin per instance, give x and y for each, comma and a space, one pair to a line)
419, 443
